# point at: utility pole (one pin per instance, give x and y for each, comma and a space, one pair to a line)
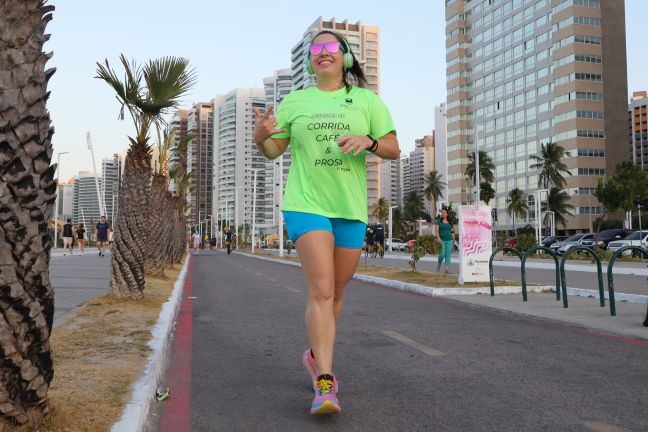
255, 170
391, 243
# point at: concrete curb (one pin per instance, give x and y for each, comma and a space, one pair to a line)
423, 289
135, 414
432, 292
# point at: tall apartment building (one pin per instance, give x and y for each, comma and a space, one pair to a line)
419, 163
523, 72
365, 44
178, 123
441, 147
276, 87
234, 154
391, 182
65, 200
85, 208
638, 125
200, 159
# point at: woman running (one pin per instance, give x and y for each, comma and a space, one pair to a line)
330, 127
445, 234
81, 238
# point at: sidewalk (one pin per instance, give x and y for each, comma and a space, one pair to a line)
77, 279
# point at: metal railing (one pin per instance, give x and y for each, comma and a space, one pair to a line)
610, 276
598, 268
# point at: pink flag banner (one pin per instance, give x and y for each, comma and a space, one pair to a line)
475, 242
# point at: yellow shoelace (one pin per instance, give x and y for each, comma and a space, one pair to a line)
325, 386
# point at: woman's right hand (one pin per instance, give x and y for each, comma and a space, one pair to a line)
265, 125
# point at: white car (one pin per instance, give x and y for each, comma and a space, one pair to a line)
635, 239
398, 244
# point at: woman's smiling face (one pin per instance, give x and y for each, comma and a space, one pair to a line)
326, 63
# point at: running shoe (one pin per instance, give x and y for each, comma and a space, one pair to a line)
325, 401
311, 367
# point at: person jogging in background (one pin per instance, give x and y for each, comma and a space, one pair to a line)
101, 235
228, 241
81, 238
330, 128
196, 239
445, 234
68, 236
379, 238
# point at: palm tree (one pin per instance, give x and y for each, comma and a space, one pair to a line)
559, 204
551, 165
433, 187
486, 192
517, 204
381, 210
28, 194
147, 93
414, 208
397, 222
486, 167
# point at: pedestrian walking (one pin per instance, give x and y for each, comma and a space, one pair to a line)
101, 235
81, 238
330, 128
228, 241
445, 235
68, 236
196, 239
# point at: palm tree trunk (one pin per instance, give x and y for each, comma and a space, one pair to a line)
27, 194
128, 255
154, 264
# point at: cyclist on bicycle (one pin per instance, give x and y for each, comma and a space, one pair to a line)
379, 237
369, 240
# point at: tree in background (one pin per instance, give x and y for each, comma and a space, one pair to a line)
414, 208
486, 177
433, 187
558, 201
27, 191
486, 192
551, 165
381, 210
147, 93
516, 204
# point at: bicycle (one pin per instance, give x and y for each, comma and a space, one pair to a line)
380, 250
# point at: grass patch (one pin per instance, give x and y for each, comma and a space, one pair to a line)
98, 353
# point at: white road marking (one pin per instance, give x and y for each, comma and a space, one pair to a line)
412, 343
272, 280
602, 427
292, 289
258, 274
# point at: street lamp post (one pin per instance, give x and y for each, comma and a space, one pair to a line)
236, 224
477, 173
538, 208
56, 212
255, 170
391, 243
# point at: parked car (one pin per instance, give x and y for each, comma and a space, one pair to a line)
634, 239
609, 235
511, 242
548, 241
398, 244
563, 246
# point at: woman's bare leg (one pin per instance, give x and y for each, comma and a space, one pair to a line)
345, 265
315, 250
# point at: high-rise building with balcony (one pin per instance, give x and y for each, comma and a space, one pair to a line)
86, 207
521, 73
364, 41
419, 163
178, 124
276, 87
441, 148
234, 154
391, 182
200, 160
638, 125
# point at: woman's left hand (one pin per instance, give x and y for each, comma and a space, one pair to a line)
354, 143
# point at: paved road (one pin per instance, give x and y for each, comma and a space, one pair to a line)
405, 362
77, 279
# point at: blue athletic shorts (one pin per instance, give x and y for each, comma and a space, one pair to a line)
347, 233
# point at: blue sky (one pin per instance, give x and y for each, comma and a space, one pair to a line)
237, 44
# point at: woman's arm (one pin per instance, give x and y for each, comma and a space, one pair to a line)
387, 145
270, 147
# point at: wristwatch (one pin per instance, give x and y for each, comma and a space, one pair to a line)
374, 146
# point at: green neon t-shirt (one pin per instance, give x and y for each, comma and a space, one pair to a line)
322, 180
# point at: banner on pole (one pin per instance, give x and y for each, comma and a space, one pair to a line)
475, 247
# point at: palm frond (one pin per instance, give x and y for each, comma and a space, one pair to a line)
167, 79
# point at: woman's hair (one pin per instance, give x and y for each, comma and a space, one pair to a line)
354, 75
80, 226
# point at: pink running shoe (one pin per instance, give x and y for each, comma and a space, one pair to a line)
325, 401
311, 367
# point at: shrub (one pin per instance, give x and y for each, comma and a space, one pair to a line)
525, 241
428, 242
